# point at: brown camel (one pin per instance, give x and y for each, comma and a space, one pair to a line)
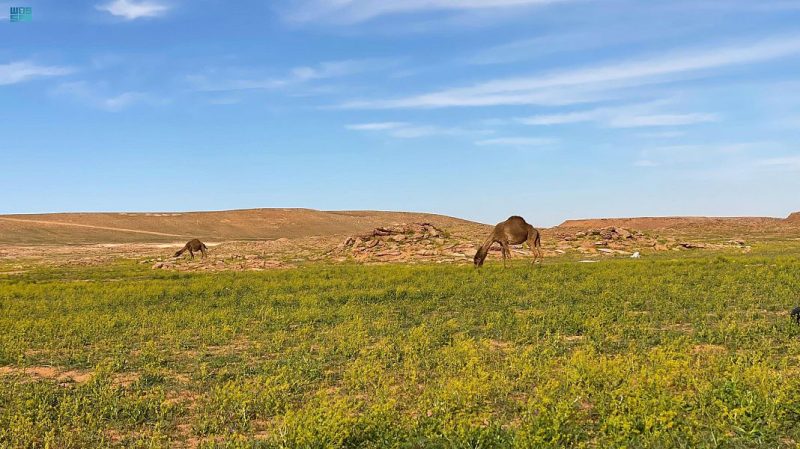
192, 246
513, 231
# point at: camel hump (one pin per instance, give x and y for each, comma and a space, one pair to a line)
516, 218
194, 245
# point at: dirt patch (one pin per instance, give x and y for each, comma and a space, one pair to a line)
65, 377
678, 327
709, 349
573, 338
47, 372
125, 379
236, 346
499, 345
114, 435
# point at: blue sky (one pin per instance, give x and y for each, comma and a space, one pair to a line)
551, 109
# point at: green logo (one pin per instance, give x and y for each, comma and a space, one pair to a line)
21, 13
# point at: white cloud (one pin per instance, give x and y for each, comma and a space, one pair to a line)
132, 10
565, 118
631, 116
746, 5
592, 83
516, 142
716, 154
524, 49
791, 163
589, 35
18, 72
662, 134
238, 79
225, 100
661, 120
789, 122
354, 11
95, 96
403, 130
381, 126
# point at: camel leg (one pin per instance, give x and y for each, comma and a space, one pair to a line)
534, 250
191, 253
203, 250
506, 252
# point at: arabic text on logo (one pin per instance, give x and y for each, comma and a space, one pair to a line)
21, 13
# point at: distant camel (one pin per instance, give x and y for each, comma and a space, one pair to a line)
192, 246
513, 231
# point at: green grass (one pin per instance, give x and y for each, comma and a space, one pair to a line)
658, 353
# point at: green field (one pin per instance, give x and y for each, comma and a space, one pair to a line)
660, 353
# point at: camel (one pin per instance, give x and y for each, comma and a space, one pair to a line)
513, 231
192, 246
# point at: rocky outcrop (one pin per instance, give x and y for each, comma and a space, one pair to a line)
614, 240
405, 242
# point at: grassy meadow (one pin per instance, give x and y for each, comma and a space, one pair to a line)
652, 353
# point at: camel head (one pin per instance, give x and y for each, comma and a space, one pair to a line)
480, 256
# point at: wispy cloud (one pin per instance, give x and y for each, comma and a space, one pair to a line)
96, 96
21, 71
671, 155
661, 120
745, 5
587, 36
789, 122
354, 11
517, 142
711, 154
592, 83
525, 49
791, 163
132, 10
403, 130
631, 116
380, 126
661, 134
239, 79
565, 118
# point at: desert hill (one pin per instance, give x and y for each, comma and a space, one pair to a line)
694, 226
271, 224
162, 227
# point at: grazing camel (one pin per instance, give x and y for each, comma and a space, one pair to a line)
192, 246
513, 231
